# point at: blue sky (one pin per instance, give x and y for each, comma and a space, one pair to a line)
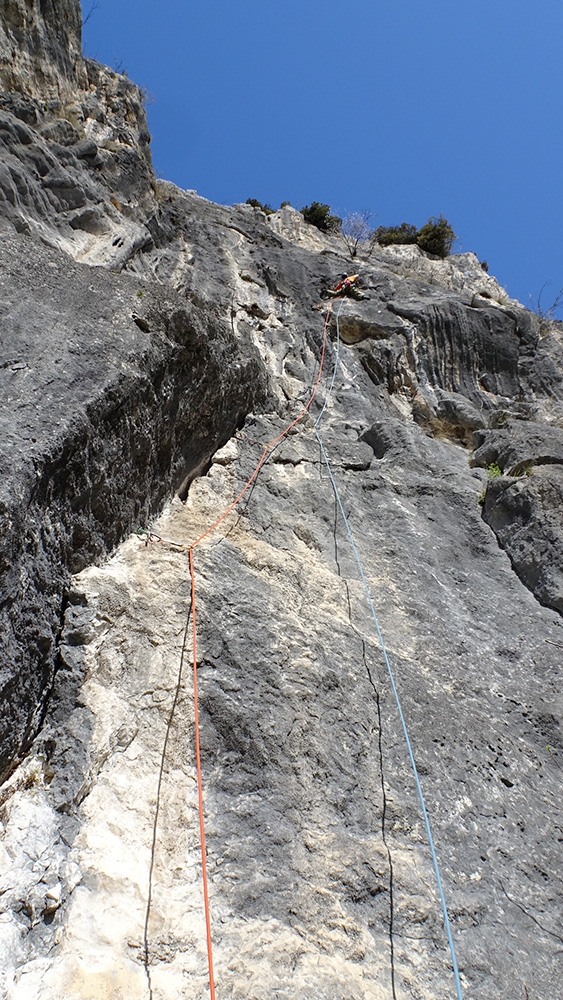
403, 107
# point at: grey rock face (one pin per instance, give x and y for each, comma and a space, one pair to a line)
438, 574
165, 371
79, 175
75, 165
525, 515
519, 446
133, 386
320, 877
524, 505
95, 202
41, 47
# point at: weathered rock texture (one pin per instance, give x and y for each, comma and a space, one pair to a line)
167, 369
41, 47
524, 507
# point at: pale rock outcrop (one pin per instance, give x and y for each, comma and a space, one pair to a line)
41, 48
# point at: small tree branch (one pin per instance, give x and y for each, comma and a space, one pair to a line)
92, 10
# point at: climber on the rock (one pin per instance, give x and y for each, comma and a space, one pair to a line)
346, 286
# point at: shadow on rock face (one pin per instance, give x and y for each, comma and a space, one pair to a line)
523, 506
525, 514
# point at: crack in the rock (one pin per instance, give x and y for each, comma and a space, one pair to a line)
557, 937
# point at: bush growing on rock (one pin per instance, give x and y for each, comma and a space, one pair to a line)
267, 209
435, 237
494, 470
388, 235
319, 215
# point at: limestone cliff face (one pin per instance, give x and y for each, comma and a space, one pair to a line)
75, 168
41, 48
140, 393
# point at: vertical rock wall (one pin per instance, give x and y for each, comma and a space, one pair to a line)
136, 389
119, 389
41, 48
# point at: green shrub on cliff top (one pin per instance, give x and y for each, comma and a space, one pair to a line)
267, 209
435, 237
388, 235
319, 215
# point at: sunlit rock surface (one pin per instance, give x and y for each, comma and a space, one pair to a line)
138, 396
41, 48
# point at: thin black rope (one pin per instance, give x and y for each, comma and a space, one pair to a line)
381, 764
146, 953
384, 831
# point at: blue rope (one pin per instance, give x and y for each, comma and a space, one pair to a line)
388, 665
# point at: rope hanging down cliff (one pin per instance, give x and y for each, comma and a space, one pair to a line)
190, 549
151, 536
388, 666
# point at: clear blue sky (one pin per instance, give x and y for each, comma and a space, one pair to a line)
408, 108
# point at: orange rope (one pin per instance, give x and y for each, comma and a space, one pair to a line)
267, 448
200, 791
